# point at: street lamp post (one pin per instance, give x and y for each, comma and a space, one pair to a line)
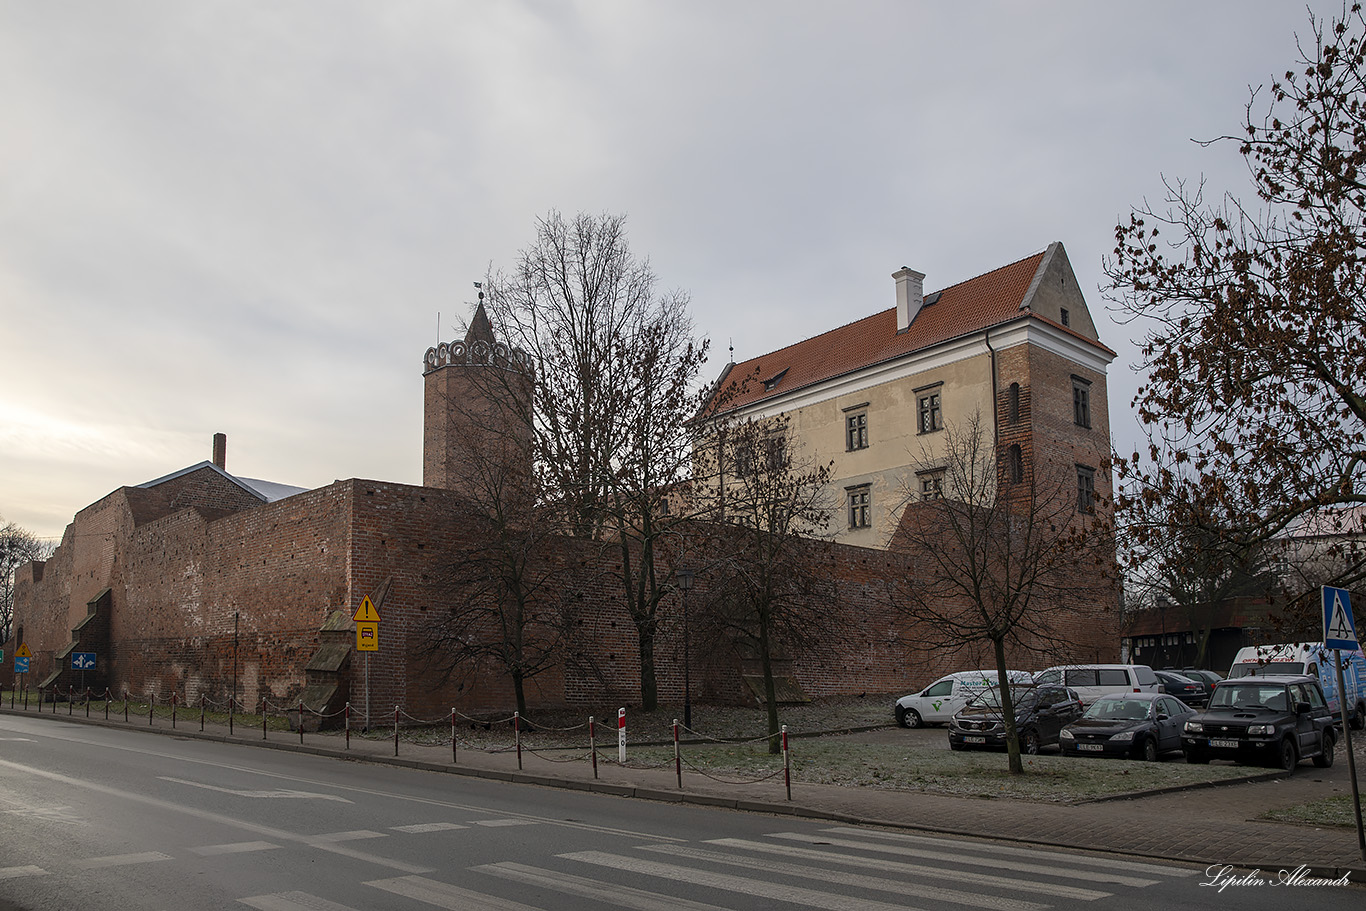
685, 577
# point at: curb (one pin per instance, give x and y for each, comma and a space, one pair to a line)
713, 801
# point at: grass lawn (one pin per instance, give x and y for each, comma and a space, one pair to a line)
1330, 811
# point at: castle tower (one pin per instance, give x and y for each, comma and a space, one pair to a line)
477, 416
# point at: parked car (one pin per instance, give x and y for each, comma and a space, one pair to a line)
1092, 681
1187, 689
938, 702
1275, 720
1138, 725
1313, 659
1199, 673
1040, 714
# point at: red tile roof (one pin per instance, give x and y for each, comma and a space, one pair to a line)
961, 309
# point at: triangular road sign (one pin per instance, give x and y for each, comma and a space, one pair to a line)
23, 651
1338, 628
366, 613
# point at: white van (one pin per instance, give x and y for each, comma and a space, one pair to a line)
1091, 681
938, 702
1313, 659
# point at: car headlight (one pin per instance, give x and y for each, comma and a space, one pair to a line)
1194, 727
1066, 735
1123, 736
1263, 729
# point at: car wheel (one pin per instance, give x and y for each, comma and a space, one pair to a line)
1195, 758
1150, 750
1358, 719
1029, 742
911, 719
901, 716
1287, 756
1325, 758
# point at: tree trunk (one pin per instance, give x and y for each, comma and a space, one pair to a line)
1007, 709
770, 691
649, 688
519, 690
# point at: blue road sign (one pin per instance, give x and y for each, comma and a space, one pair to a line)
21, 665
82, 661
1339, 630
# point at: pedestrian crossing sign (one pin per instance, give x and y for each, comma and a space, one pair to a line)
1339, 630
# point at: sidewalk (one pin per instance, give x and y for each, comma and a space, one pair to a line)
1205, 826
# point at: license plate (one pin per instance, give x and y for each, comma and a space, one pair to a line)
1093, 747
1224, 744
974, 740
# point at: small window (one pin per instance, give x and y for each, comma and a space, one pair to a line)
1081, 402
856, 431
1079, 676
931, 417
1050, 677
1113, 676
942, 688
1086, 489
1015, 464
859, 506
1066, 317
1013, 403
931, 484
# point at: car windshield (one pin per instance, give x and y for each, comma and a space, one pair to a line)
1251, 697
989, 700
1118, 710
1252, 668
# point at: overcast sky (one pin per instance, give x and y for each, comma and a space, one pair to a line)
246, 217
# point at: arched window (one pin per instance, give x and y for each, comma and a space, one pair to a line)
1015, 464
1013, 403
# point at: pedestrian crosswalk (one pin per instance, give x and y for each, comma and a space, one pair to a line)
834, 868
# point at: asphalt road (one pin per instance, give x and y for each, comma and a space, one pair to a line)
94, 818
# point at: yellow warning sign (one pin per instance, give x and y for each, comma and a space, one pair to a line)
367, 637
23, 651
366, 613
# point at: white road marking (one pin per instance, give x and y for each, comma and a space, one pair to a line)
741, 884
499, 823
444, 895
279, 793
1044, 869
16, 739
292, 901
331, 838
423, 828
626, 896
1080, 859
15, 872
51, 814
894, 866
120, 860
854, 880
195, 813
241, 847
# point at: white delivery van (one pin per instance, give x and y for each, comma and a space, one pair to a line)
1091, 681
1313, 659
938, 702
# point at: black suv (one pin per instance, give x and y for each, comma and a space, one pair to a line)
1040, 713
1275, 720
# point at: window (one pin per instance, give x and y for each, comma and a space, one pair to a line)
1066, 317
931, 484
856, 431
931, 418
1082, 677
1086, 489
1013, 403
1081, 402
942, 688
859, 502
1112, 676
1015, 464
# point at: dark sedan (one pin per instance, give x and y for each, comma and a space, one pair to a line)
1040, 713
1139, 725
1188, 689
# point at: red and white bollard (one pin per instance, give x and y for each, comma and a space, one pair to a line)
593, 745
787, 765
621, 736
678, 759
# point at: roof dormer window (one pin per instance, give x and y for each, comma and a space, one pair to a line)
772, 383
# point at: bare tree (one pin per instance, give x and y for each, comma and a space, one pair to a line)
1255, 315
992, 561
769, 592
616, 366
18, 546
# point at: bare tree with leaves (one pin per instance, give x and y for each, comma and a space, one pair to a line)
996, 562
769, 593
18, 546
616, 366
1255, 314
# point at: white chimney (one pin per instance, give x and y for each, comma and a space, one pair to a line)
910, 294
